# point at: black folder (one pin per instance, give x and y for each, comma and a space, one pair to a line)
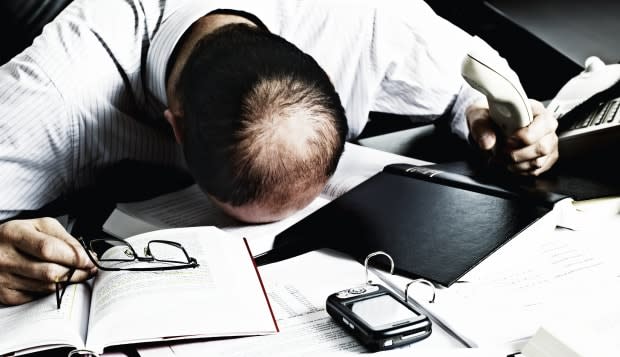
434, 224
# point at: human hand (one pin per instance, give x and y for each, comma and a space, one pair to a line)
36, 253
528, 151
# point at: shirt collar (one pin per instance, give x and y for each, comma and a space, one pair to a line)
164, 41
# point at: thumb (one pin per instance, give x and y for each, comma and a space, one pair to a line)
482, 129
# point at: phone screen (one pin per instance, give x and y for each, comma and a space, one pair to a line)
381, 310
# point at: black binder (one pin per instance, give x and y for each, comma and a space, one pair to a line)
434, 224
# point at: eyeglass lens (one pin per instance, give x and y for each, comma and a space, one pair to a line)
113, 253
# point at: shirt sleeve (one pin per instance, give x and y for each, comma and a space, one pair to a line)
420, 54
35, 138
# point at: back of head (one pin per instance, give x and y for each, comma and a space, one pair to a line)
263, 123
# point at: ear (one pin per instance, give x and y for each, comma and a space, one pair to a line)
176, 122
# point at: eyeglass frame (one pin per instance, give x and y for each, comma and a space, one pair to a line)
191, 262
61, 286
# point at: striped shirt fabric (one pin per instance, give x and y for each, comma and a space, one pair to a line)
90, 90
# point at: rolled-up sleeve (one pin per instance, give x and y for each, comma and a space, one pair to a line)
421, 56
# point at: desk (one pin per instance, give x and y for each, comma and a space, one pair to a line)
357, 161
439, 340
577, 29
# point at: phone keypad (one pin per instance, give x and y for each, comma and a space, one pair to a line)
605, 113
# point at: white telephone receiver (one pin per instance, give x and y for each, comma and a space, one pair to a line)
491, 75
596, 125
587, 106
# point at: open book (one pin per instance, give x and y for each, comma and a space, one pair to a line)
224, 296
298, 288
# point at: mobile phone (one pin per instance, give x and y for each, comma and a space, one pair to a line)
377, 318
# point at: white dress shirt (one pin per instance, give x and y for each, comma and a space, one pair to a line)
90, 90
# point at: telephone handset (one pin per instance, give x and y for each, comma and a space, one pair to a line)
588, 111
587, 106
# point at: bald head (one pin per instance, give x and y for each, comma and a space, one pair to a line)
264, 126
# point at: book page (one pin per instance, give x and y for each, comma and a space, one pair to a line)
39, 325
261, 236
191, 208
298, 288
602, 206
221, 297
358, 163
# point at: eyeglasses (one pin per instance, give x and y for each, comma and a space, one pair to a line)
159, 255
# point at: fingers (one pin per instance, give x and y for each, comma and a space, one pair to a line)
15, 297
45, 272
48, 241
21, 283
34, 254
17, 289
535, 166
534, 149
481, 128
543, 124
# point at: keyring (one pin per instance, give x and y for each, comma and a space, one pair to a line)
421, 281
373, 255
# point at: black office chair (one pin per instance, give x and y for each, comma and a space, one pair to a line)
22, 20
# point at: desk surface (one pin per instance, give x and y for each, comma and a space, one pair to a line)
577, 29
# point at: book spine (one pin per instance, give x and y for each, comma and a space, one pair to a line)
509, 189
449, 179
260, 280
81, 352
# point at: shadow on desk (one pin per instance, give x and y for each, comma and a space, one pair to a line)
411, 137
585, 178
126, 181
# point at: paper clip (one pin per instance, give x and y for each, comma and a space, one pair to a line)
373, 255
421, 281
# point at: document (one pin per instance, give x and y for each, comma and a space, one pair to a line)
594, 331
223, 296
298, 288
591, 334
533, 280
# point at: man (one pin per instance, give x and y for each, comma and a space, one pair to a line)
251, 90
